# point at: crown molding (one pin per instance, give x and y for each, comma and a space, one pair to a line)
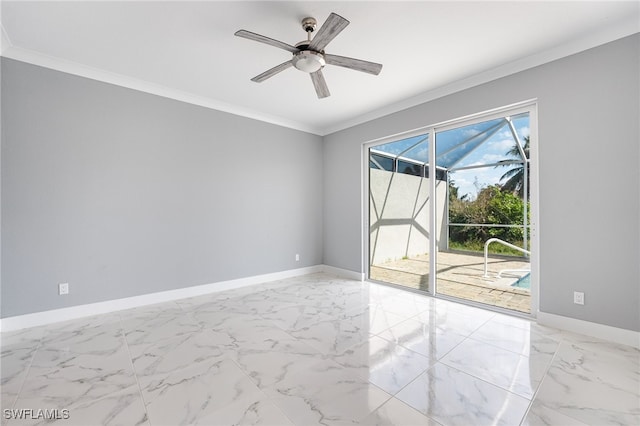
74, 68
590, 40
5, 42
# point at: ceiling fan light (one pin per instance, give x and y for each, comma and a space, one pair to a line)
308, 61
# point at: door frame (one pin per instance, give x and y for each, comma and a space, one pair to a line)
529, 106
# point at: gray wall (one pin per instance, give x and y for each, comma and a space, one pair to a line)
122, 193
588, 123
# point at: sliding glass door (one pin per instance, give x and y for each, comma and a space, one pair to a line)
450, 210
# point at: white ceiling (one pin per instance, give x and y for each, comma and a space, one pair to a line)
187, 50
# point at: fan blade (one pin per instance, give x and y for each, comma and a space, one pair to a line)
320, 84
273, 71
328, 31
354, 64
266, 40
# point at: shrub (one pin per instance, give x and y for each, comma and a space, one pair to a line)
492, 206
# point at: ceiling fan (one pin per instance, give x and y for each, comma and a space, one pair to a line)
309, 55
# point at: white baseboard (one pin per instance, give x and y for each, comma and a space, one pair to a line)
74, 312
600, 331
343, 273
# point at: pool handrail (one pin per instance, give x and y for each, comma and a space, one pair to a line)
499, 241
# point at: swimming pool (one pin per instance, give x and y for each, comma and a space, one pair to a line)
523, 282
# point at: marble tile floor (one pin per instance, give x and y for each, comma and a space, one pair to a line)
312, 350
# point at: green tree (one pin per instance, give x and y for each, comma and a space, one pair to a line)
514, 177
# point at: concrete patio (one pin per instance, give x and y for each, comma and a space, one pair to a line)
461, 275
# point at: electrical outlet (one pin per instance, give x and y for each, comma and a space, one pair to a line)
297, 258
578, 298
63, 288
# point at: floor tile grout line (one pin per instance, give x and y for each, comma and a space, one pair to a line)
534, 399
408, 384
412, 381
271, 400
135, 374
413, 408
486, 381
530, 400
105, 396
369, 383
391, 396
477, 339
413, 318
414, 351
544, 377
26, 375
489, 382
528, 330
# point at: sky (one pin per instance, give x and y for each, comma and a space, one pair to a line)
492, 150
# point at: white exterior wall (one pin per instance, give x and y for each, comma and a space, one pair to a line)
399, 215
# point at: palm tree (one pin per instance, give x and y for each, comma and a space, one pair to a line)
515, 176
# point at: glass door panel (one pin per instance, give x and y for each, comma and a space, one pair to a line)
487, 204
399, 212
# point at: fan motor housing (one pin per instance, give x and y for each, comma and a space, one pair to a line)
308, 61
303, 45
